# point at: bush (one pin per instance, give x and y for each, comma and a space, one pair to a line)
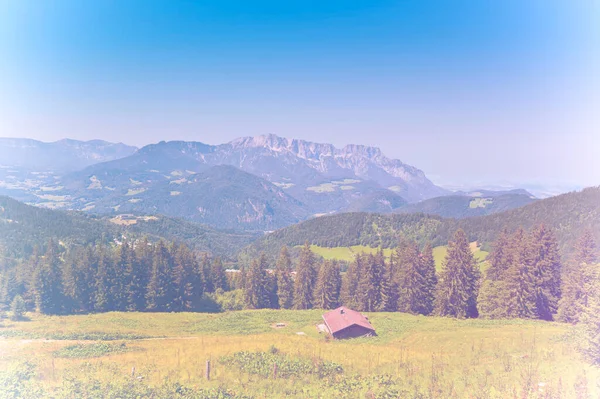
81, 351
18, 309
230, 300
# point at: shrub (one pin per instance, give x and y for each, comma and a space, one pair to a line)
81, 351
18, 309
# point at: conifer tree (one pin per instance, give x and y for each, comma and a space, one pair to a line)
102, 299
217, 274
500, 258
327, 292
459, 280
306, 276
119, 277
256, 293
348, 296
543, 259
369, 286
285, 284
413, 284
389, 287
577, 280
209, 286
182, 279
427, 270
589, 325
159, 293
49, 298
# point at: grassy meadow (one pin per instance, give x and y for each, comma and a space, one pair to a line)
412, 356
348, 253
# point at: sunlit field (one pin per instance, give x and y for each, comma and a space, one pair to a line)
412, 356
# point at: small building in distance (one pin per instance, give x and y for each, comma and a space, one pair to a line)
344, 323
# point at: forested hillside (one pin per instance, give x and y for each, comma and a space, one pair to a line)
568, 215
461, 206
23, 227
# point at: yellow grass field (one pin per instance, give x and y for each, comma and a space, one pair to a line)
427, 356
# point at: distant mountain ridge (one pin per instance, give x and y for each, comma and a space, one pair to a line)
63, 155
257, 183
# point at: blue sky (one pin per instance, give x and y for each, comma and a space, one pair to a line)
469, 91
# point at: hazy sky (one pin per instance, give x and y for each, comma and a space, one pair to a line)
468, 91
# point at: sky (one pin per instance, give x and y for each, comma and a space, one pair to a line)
473, 92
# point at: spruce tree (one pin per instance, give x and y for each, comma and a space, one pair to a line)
369, 286
413, 284
256, 294
589, 325
182, 279
500, 258
389, 287
218, 277
49, 298
119, 277
350, 280
576, 280
459, 280
543, 259
428, 271
285, 284
305, 282
101, 296
327, 292
209, 286
159, 293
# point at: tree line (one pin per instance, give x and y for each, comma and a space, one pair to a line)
141, 276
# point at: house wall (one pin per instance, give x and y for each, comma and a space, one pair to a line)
353, 332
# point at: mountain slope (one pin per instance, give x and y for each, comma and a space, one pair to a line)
460, 206
22, 227
221, 196
568, 214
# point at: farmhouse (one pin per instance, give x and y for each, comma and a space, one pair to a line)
347, 323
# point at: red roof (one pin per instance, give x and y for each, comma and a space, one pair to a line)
342, 318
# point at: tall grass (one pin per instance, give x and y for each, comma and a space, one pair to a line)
413, 356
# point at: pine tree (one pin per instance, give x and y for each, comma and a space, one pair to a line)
543, 259
576, 280
329, 281
159, 293
427, 270
305, 282
182, 279
369, 286
205, 264
350, 282
389, 287
413, 296
256, 294
459, 280
285, 284
49, 298
119, 277
589, 325
101, 296
500, 258
18, 309
218, 277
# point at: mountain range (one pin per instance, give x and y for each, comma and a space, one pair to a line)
252, 183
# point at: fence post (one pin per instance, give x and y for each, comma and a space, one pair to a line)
207, 373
